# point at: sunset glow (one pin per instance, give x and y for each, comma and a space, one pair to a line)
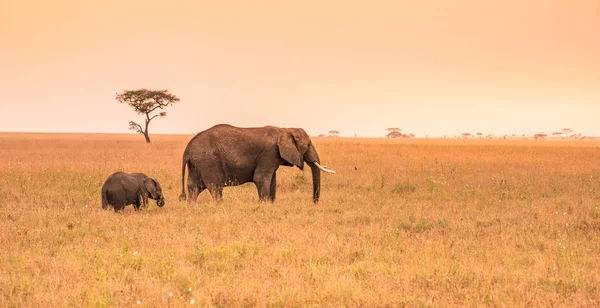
428, 67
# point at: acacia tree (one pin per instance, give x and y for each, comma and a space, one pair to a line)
144, 102
393, 132
567, 131
540, 136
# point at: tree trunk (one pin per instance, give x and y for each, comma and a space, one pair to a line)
146, 130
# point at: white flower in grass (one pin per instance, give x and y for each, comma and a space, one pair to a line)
135, 252
170, 293
139, 302
192, 301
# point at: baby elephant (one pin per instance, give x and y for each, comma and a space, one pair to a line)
121, 189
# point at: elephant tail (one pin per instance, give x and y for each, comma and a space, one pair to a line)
183, 197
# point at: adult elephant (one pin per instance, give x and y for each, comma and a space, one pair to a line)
225, 155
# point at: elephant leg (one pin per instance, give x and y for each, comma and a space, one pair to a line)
273, 186
138, 204
214, 179
141, 201
263, 185
216, 191
194, 184
117, 200
194, 190
144, 202
264, 178
263, 190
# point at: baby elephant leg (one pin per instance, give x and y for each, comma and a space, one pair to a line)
140, 202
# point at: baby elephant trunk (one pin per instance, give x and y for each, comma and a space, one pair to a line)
160, 202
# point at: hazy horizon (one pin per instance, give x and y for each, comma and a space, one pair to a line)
430, 68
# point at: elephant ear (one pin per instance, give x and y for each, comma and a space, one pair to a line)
288, 149
301, 139
150, 185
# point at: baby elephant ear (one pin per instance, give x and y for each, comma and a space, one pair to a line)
288, 150
150, 185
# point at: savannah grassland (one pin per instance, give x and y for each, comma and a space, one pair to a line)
403, 222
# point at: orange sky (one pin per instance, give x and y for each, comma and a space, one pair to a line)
429, 67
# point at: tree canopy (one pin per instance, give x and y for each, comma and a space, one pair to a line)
394, 134
144, 101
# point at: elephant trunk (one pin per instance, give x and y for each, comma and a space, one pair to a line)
316, 175
312, 159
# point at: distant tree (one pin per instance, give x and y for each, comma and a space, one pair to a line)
394, 134
144, 102
479, 134
334, 133
540, 136
567, 131
466, 135
321, 135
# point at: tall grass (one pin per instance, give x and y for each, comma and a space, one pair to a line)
403, 222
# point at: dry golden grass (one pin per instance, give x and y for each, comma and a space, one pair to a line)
404, 222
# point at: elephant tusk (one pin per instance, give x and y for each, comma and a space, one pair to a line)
324, 169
